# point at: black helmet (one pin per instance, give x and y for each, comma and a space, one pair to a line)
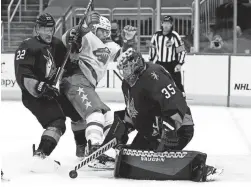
168, 18
45, 27
45, 20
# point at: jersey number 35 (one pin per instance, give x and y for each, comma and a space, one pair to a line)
168, 91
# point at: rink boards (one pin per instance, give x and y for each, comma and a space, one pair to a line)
208, 80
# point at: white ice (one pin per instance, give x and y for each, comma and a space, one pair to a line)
223, 133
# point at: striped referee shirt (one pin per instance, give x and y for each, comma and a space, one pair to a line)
167, 48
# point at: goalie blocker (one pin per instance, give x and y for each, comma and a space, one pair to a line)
168, 165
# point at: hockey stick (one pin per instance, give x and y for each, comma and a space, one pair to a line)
73, 173
61, 69
115, 134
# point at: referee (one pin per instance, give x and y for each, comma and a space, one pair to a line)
168, 50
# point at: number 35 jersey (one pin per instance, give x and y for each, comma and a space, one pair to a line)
154, 95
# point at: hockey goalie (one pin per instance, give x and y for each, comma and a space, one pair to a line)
156, 108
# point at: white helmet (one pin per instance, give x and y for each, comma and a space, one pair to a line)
104, 23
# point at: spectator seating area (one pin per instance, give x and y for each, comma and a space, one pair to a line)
67, 13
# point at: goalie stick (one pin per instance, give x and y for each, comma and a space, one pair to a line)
114, 135
61, 69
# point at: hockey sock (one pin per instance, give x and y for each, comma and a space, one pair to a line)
94, 131
49, 140
79, 137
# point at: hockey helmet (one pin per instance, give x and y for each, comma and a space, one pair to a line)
105, 24
45, 27
130, 65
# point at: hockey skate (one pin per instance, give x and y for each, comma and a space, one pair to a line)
42, 163
80, 152
103, 162
211, 173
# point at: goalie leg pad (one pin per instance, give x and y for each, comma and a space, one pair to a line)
149, 165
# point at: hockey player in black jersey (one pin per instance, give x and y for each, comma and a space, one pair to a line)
156, 108
36, 63
152, 96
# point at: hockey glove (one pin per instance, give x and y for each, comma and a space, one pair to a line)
129, 36
47, 91
75, 39
169, 138
92, 18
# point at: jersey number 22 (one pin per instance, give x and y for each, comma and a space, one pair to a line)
20, 54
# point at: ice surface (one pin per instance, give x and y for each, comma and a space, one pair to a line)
223, 133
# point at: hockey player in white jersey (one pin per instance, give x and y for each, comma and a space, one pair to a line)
92, 53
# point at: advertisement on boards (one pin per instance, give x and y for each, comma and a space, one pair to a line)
8, 80
240, 76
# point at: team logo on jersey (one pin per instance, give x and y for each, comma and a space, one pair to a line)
169, 43
130, 107
102, 54
50, 66
154, 75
